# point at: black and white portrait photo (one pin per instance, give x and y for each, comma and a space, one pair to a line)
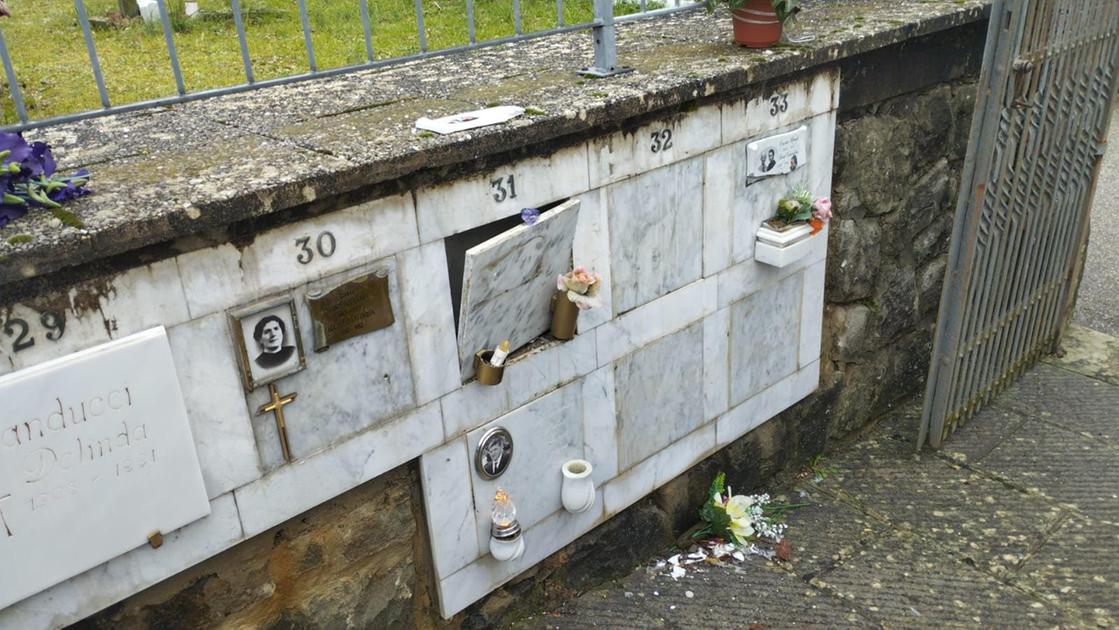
268, 336
769, 160
495, 451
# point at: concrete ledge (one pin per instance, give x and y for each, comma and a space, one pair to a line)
166, 174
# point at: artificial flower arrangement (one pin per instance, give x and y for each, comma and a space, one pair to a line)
581, 287
577, 290
783, 238
28, 180
744, 521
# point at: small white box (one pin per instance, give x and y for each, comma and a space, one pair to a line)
783, 256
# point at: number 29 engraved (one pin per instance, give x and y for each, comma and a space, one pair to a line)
19, 330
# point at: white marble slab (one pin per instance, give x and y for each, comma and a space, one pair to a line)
474, 201
716, 363
591, 249
781, 106
100, 438
600, 432
766, 404
508, 283
656, 319
449, 502
660, 394
92, 313
764, 339
219, 278
546, 433
656, 233
429, 321
298, 487
626, 153
659, 469
354, 385
723, 182
111, 582
812, 314
527, 376
215, 402
749, 277
467, 586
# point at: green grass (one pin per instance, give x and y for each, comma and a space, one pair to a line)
50, 58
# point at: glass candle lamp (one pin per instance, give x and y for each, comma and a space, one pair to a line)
506, 543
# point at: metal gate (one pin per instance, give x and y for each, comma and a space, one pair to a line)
1039, 131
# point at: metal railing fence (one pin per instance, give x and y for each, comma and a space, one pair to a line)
602, 28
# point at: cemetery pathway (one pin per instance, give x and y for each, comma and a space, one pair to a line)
1098, 303
1015, 523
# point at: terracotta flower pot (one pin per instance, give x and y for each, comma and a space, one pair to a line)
756, 24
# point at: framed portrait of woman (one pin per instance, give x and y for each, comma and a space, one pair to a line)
267, 340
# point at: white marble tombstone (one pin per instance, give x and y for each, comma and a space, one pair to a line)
508, 283
96, 455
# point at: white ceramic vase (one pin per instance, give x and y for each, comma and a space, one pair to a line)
578, 491
507, 550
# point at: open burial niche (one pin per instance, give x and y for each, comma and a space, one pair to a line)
508, 281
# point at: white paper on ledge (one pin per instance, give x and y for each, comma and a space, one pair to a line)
470, 120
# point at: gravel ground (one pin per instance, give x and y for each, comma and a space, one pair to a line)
1098, 303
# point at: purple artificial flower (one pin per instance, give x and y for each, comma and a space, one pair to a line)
530, 215
15, 143
68, 192
9, 213
40, 162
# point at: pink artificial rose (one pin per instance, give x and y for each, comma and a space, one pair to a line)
822, 209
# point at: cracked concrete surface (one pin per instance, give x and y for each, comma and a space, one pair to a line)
1015, 523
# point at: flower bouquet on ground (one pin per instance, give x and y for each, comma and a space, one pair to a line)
798, 218
577, 290
750, 524
28, 180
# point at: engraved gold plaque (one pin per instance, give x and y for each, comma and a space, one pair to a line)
358, 307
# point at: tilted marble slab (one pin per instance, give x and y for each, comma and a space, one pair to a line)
508, 283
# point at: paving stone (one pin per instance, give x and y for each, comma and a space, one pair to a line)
986, 521
737, 596
1061, 465
1090, 353
1076, 568
824, 532
1068, 399
902, 581
982, 433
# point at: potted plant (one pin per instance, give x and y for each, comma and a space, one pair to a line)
785, 237
757, 23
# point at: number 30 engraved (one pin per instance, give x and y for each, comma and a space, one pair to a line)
325, 244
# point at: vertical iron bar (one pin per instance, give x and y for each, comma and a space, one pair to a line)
13, 83
605, 43
368, 30
307, 36
93, 62
559, 12
470, 20
517, 16
175, 69
420, 25
240, 24
644, 6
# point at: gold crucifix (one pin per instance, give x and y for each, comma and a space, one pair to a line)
277, 407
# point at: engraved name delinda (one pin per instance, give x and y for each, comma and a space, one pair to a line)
106, 443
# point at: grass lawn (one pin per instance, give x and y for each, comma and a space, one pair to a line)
50, 59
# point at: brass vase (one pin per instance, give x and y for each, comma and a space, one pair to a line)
564, 316
486, 373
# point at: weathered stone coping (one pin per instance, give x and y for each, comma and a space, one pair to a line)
194, 169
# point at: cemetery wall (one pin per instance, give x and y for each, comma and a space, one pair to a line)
346, 535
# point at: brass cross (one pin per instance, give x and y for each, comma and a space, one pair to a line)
277, 407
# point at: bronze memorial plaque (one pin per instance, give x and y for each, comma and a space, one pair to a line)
360, 306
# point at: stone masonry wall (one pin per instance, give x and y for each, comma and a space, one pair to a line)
362, 559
